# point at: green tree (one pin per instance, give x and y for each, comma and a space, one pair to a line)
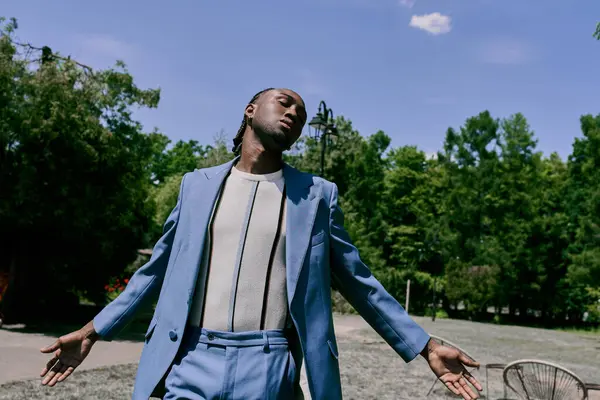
181, 157
513, 207
583, 206
164, 195
73, 176
185, 156
407, 173
408, 206
216, 154
492, 182
470, 160
549, 238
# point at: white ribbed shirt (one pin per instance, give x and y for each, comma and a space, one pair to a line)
244, 284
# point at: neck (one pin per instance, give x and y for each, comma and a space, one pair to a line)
255, 159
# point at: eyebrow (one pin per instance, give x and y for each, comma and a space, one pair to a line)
290, 98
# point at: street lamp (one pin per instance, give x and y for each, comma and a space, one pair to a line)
322, 125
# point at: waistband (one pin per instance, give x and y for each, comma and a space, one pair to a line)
237, 339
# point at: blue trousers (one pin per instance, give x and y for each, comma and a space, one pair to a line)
219, 365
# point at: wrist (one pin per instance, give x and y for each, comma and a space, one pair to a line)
429, 348
88, 332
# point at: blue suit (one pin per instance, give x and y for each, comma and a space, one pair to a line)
319, 253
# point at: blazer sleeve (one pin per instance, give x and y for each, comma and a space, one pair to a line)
357, 284
144, 285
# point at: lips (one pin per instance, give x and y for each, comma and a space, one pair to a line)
287, 124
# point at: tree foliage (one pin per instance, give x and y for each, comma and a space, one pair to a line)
73, 179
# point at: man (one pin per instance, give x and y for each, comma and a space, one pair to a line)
244, 270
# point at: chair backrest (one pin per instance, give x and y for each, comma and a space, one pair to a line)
448, 343
542, 380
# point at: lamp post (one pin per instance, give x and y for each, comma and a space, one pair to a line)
322, 125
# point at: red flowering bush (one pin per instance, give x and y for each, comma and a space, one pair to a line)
115, 287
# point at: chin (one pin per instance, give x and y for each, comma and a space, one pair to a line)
276, 140
280, 141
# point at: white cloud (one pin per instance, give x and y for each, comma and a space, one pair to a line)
408, 3
434, 23
505, 51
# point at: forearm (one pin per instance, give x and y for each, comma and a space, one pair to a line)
383, 313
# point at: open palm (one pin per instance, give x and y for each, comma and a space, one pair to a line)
448, 364
70, 351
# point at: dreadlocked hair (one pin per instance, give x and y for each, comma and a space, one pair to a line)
237, 140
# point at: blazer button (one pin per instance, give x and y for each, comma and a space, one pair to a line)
173, 335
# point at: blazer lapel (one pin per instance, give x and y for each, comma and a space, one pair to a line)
302, 202
204, 196
202, 202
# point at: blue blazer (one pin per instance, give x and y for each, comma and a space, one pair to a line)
319, 254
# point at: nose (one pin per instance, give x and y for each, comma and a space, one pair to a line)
291, 114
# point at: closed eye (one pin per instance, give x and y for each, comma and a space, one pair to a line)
288, 101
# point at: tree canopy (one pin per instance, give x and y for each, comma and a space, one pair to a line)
73, 178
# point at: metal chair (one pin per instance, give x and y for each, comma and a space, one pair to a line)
542, 380
593, 387
448, 343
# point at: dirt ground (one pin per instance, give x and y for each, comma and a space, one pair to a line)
369, 368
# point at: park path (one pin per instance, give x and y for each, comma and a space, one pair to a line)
20, 357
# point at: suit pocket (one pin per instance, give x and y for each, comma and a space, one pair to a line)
333, 349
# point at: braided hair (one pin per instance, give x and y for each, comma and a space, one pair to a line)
237, 140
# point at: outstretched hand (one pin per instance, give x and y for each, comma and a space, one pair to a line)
69, 352
448, 364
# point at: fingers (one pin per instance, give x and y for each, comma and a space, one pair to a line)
48, 366
473, 381
467, 361
463, 383
459, 385
53, 347
66, 374
53, 370
462, 392
58, 375
453, 389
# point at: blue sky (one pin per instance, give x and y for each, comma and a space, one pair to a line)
411, 68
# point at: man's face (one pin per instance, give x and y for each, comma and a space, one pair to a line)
277, 118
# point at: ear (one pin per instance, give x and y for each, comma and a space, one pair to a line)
250, 110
